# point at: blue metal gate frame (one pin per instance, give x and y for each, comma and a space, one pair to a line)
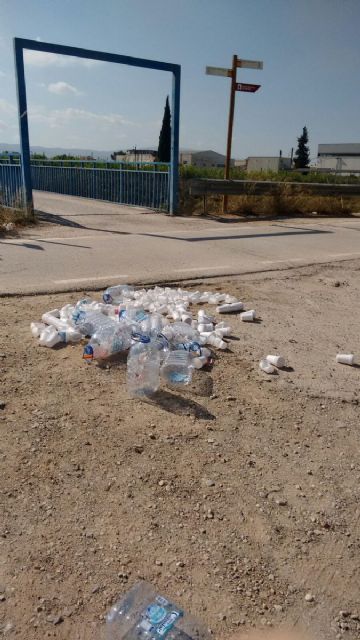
20, 44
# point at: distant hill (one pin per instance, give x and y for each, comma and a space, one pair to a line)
56, 151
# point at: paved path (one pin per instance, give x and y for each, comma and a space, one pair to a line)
83, 243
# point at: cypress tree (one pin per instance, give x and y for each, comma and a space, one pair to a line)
164, 149
302, 154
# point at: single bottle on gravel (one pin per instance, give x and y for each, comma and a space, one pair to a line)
177, 368
143, 367
144, 614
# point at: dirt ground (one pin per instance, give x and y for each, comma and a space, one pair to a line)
236, 497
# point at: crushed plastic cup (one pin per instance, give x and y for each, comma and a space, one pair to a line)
346, 358
248, 316
267, 367
276, 361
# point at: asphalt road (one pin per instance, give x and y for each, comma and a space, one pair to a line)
84, 243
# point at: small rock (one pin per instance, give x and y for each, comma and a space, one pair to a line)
278, 608
161, 483
158, 563
281, 502
138, 449
2, 597
95, 589
344, 614
309, 597
2, 404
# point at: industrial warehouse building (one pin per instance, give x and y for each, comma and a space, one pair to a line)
343, 157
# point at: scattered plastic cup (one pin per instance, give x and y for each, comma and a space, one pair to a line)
276, 361
266, 366
346, 358
230, 308
248, 316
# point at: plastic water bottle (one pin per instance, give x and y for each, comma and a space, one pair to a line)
143, 367
87, 322
143, 614
114, 295
160, 343
108, 340
177, 369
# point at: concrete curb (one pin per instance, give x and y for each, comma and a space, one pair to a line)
91, 286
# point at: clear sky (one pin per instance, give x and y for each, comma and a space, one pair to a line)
310, 49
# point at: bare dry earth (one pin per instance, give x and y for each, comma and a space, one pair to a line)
236, 497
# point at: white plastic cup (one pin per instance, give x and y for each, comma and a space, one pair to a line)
346, 358
49, 337
216, 341
266, 366
205, 327
230, 308
276, 361
248, 316
223, 331
36, 328
186, 317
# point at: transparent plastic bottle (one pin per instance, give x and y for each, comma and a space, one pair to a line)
143, 614
114, 295
90, 321
177, 369
108, 340
143, 367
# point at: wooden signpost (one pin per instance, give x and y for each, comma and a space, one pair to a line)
235, 86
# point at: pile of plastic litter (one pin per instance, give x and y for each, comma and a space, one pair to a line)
163, 339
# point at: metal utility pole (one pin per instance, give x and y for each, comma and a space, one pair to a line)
235, 86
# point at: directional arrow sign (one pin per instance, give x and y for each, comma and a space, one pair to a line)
250, 88
250, 64
218, 71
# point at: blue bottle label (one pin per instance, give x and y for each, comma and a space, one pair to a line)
159, 618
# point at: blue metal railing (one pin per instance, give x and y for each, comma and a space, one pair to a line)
143, 184
147, 186
11, 191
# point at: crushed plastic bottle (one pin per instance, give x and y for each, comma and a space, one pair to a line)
90, 321
143, 367
108, 340
143, 614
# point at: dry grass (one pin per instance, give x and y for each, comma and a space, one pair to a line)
267, 206
16, 216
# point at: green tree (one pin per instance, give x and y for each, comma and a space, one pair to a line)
38, 156
164, 148
302, 153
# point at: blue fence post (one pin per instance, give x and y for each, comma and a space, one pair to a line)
174, 175
24, 128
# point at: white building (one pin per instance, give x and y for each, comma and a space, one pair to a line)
203, 158
339, 157
134, 155
268, 163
